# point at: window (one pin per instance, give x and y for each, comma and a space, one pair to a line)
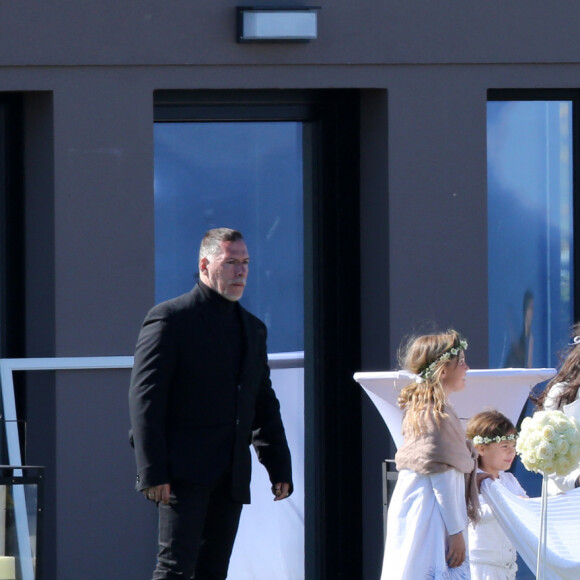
530, 231
247, 176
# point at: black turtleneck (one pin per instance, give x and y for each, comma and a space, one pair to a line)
228, 325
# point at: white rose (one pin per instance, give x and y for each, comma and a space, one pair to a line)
549, 433
562, 446
545, 451
559, 421
563, 465
547, 467
574, 452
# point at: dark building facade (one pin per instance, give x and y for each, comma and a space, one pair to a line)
395, 224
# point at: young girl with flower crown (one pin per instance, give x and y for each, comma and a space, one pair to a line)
492, 555
436, 488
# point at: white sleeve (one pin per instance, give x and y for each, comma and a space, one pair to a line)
449, 490
565, 482
485, 513
560, 482
551, 400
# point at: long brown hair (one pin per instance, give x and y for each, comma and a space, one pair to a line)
426, 395
569, 373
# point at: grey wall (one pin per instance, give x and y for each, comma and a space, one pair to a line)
89, 70
56, 33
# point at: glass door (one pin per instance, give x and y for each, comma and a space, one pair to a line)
247, 176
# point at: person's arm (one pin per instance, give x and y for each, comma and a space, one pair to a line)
485, 513
148, 393
447, 487
268, 434
566, 482
456, 550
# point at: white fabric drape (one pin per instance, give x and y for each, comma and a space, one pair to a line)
270, 540
520, 520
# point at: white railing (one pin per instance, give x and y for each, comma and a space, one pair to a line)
7, 368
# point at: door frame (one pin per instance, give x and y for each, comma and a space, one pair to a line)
332, 414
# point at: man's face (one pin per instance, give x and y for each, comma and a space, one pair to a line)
227, 272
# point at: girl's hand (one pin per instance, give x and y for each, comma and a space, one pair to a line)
480, 477
456, 551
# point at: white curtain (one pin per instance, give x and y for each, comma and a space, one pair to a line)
270, 541
520, 519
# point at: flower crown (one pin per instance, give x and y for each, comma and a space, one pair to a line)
428, 371
479, 440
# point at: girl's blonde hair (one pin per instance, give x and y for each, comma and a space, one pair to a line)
425, 395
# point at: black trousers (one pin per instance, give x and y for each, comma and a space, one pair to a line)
197, 529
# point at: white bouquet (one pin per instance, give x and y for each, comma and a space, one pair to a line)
549, 442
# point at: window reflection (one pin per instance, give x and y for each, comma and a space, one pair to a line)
243, 175
529, 154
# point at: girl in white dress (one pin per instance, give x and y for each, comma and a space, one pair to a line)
492, 556
436, 488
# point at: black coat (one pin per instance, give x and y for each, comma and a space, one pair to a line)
181, 430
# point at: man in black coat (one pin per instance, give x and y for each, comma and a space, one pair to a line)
200, 394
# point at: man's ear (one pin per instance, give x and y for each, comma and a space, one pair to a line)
203, 265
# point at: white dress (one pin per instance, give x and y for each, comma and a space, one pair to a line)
560, 483
492, 556
424, 510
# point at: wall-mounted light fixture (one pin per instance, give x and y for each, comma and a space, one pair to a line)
296, 24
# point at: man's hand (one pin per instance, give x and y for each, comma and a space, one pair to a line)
280, 490
159, 493
456, 552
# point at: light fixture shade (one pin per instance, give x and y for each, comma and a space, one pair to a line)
277, 24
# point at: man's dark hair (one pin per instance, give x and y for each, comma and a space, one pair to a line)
210, 244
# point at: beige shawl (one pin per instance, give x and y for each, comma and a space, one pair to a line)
439, 448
